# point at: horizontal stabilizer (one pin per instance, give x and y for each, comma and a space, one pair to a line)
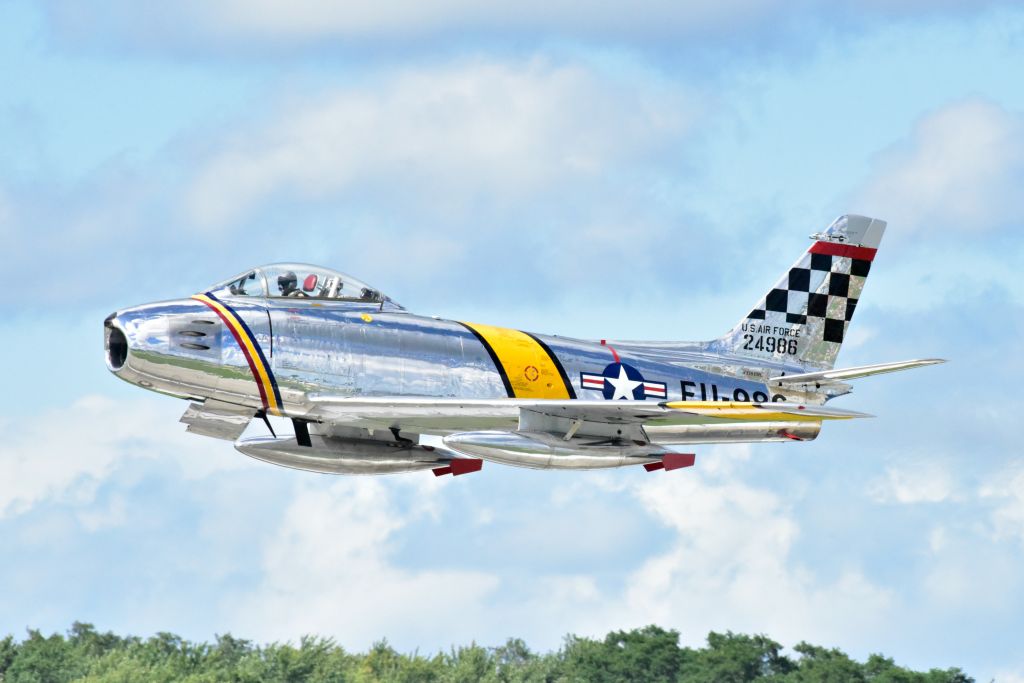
842, 374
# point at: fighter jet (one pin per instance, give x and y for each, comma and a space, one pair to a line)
363, 380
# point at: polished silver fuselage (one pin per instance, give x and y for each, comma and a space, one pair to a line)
361, 378
352, 349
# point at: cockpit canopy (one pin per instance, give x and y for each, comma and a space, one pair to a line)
298, 281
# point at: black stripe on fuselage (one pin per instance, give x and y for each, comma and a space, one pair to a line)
256, 345
494, 358
558, 364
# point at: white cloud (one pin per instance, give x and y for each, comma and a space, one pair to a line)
446, 134
1004, 676
725, 460
970, 577
731, 566
332, 567
938, 538
728, 562
1006, 492
915, 481
328, 569
112, 514
333, 562
960, 170
64, 455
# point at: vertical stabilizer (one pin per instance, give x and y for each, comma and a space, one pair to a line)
805, 317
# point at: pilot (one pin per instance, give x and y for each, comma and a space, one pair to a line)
288, 284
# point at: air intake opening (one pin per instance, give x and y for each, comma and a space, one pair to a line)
117, 346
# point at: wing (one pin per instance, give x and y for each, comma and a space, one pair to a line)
345, 435
446, 415
581, 434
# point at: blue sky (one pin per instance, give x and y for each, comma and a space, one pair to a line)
597, 173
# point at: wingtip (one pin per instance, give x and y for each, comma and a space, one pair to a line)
854, 415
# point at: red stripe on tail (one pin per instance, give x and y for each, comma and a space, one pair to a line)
846, 250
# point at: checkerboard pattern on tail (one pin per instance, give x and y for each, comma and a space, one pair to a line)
804, 318
818, 286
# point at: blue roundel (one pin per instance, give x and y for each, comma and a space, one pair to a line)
621, 380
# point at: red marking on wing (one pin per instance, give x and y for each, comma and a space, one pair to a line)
672, 461
459, 466
676, 461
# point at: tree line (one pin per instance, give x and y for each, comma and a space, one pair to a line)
649, 654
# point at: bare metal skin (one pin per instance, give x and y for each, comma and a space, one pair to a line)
362, 379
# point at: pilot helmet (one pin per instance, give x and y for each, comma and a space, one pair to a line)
287, 282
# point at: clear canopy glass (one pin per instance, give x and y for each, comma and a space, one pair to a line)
298, 281
249, 283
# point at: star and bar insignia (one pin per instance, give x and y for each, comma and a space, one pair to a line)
620, 381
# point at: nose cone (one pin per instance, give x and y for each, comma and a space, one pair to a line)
134, 334
170, 346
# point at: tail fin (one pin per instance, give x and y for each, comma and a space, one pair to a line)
804, 318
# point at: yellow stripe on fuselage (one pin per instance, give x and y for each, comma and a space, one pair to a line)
748, 412
262, 376
530, 370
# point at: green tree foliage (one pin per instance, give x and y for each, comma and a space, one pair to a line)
732, 658
649, 654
